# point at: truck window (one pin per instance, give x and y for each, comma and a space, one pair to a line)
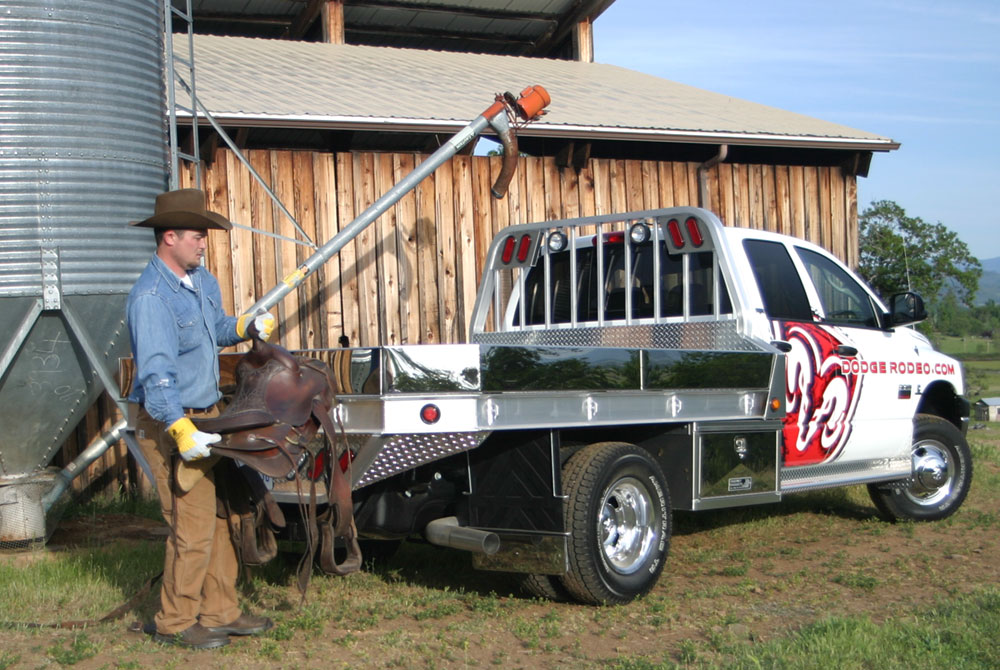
700, 281
778, 282
561, 288
844, 300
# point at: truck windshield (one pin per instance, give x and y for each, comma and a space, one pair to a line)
696, 285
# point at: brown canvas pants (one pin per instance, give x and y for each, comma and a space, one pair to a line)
200, 566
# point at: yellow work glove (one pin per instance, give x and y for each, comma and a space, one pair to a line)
191, 442
261, 325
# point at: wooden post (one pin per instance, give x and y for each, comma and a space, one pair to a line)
332, 20
583, 41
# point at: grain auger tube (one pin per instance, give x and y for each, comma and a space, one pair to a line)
502, 116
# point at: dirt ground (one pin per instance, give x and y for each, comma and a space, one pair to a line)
749, 576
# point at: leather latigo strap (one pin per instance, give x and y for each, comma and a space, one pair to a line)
250, 510
338, 520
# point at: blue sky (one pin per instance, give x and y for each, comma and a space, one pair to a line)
926, 74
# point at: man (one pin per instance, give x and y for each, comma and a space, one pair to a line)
176, 325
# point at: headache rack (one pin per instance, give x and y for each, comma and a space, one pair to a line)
657, 278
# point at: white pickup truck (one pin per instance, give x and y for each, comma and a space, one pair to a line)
623, 366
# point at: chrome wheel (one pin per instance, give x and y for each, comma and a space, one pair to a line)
941, 476
933, 474
627, 525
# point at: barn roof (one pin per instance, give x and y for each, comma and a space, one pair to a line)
288, 84
513, 27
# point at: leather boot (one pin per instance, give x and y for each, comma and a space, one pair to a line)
246, 624
195, 637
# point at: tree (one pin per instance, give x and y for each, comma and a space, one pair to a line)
900, 253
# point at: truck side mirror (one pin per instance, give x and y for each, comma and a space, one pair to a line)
906, 308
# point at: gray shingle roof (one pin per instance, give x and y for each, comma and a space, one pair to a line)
306, 84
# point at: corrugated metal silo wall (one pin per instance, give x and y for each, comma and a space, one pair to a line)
82, 152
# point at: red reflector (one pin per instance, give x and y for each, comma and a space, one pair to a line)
674, 229
692, 226
345, 459
319, 463
430, 414
523, 248
616, 237
318, 467
508, 249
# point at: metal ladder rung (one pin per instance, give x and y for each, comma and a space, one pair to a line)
184, 61
186, 110
186, 156
181, 13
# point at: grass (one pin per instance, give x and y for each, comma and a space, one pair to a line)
81, 584
981, 361
982, 378
79, 648
963, 634
966, 345
793, 585
148, 508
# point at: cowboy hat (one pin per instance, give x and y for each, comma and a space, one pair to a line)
183, 209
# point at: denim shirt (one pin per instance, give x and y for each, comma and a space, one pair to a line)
176, 333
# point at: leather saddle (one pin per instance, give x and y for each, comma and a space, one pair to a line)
280, 403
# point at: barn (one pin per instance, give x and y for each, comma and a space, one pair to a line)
987, 409
332, 102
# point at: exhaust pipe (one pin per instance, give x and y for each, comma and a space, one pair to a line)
446, 532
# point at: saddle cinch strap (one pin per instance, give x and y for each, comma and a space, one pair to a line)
279, 405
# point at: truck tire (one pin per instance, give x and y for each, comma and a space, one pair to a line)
547, 587
618, 513
942, 474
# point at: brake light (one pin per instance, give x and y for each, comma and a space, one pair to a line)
674, 229
508, 249
523, 248
616, 237
692, 226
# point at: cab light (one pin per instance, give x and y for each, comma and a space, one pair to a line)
430, 414
557, 241
674, 229
639, 233
693, 230
775, 404
508, 249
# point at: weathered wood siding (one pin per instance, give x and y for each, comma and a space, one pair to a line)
411, 277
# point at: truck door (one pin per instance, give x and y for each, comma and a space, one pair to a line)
840, 407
